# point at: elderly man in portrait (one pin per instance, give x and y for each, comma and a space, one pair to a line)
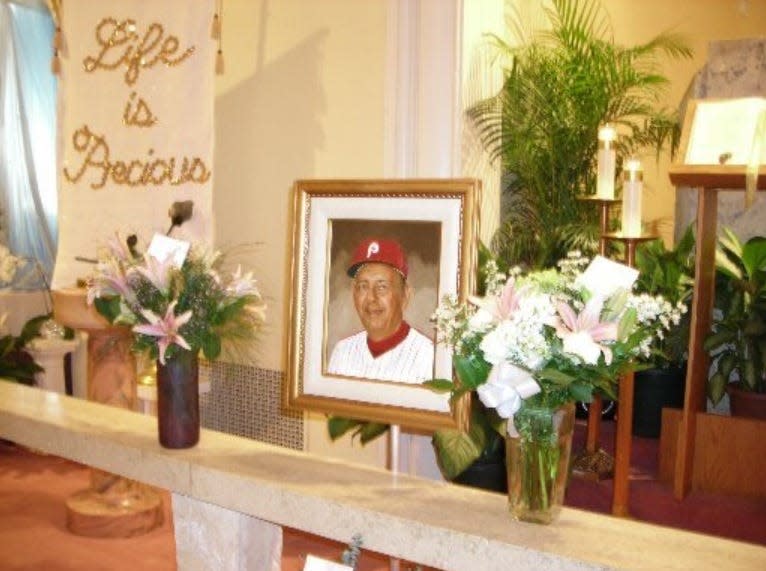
388, 348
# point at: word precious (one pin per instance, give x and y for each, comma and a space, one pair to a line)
136, 172
121, 45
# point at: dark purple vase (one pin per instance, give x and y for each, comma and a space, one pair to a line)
178, 400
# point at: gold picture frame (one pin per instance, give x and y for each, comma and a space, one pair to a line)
436, 222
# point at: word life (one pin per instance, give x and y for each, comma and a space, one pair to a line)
122, 45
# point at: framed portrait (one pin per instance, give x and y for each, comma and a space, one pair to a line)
371, 259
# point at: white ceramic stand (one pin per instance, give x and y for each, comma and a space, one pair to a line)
49, 354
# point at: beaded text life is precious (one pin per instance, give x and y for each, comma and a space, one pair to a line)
124, 49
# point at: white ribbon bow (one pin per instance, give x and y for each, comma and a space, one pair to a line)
504, 390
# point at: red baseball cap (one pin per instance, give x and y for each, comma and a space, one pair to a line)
378, 250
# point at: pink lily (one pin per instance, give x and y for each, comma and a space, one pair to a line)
583, 333
165, 328
119, 247
501, 306
157, 271
111, 280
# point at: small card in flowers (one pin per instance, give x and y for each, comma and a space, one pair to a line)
314, 563
603, 277
162, 247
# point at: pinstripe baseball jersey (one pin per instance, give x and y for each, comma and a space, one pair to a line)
411, 361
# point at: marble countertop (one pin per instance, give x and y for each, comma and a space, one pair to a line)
438, 524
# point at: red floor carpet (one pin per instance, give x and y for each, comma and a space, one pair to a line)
652, 501
33, 533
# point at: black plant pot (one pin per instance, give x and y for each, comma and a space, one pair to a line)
655, 389
486, 473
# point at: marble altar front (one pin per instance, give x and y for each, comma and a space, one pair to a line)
258, 488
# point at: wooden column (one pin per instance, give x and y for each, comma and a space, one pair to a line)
701, 316
111, 506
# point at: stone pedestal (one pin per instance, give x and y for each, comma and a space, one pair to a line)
211, 537
49, 354
112, 506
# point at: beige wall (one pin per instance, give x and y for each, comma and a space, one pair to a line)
301, 98
700, 21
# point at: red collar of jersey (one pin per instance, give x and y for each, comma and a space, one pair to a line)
377, 348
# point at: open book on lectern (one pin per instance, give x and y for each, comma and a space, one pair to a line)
727, 131
723, 145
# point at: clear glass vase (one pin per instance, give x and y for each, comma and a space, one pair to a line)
537, 462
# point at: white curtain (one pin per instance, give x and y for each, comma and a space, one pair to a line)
27, 132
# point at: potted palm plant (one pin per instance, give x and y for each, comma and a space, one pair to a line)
661, 383
737, 343
561, 83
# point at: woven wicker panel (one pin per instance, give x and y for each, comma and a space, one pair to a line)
246, 401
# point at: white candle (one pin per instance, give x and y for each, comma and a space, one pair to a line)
606, 160
633, 184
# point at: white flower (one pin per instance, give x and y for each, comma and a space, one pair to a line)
582, 345
8, 265
480, 321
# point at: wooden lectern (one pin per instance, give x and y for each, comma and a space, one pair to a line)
722, 145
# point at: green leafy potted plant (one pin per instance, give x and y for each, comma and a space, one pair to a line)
16, 363
561, 84
737, 343
661, 383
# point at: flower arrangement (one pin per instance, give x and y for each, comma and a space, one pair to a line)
549, 335
538, 341
175, 303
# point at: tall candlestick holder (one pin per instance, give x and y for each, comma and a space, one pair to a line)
593, 462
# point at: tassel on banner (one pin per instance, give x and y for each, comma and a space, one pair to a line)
56, 63
57, 39
215, 29
219, 63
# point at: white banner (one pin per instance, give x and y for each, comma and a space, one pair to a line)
136, 95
